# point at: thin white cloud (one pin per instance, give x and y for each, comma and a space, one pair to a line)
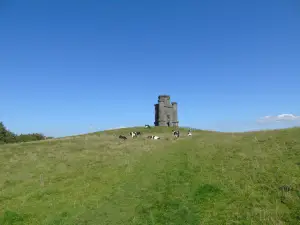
116, 128
279, 118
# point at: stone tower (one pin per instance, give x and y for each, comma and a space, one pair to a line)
166, 112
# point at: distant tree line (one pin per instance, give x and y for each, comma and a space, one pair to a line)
6, 136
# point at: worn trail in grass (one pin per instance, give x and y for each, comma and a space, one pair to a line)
211, 178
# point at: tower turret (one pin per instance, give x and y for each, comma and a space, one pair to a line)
175, 114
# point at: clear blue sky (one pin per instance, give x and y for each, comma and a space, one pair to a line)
65, 65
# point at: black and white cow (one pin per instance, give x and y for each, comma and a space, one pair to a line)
176, 133
122, 137
135, 134
147, 126
153, 137
189, 132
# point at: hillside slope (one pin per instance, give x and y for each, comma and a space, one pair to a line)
209, 178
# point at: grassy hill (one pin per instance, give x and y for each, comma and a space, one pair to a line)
210, 178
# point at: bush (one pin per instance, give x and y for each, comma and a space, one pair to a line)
7, 136
30, 137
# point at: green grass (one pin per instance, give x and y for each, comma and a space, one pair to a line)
210, 178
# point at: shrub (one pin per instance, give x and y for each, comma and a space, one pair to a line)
7, 136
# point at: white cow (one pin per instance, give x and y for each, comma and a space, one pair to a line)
135, 134
153, 137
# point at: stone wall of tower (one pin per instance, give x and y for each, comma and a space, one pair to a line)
162, 114
175, 114
165, 112
156, 110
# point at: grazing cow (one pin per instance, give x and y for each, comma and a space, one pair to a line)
147, 126
153, 137
176, 133
190, 133
122, 137
132, 134
135, 134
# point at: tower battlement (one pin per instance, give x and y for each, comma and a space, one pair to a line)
164, 97
166, 112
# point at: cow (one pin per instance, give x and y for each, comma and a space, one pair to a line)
176, 133
122, 137
189, 132
153, 137
147, 126
135, 134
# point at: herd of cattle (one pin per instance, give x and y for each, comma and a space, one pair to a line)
134, 134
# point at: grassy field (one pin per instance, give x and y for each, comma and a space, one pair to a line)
210, 178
